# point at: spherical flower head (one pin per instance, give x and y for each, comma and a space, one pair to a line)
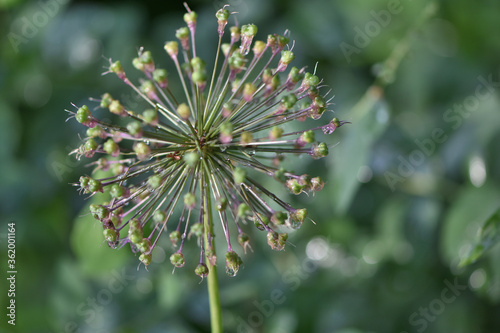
190, 161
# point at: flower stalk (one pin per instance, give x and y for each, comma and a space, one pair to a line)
212, 278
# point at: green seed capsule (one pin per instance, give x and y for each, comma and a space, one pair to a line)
160, 77
182, 33
183, 111
96, 132
146, 58
199, 77
155, 181
197, 230
222, 14
239, 175
110, 235
83, 115
233, 263
201, 270
137, 63
84, 181
190, 18
191, 159
116, 67
134, 128
159, 216
117, 191
135, 234
189, 200
320, 150
279, 218
294, 186
94, 185
150, 116
116, 108
286, 58
243, 210
106, 100
99, 212
111, 147
297, 217
307, 137
244, 241
172, 48
144, 245
221, 204
145, 258
177, 259
90, 145
142, 150
175, 236
310, 80
198, 64
249, 30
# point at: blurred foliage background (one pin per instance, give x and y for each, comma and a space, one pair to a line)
410, 182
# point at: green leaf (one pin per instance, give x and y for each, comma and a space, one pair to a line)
369, 120
489, 236
89, 246
464, 221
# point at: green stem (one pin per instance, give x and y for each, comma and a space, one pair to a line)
212, 279
214, 299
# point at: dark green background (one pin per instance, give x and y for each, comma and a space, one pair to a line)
381, 252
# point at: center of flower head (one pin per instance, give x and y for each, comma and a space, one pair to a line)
194, 157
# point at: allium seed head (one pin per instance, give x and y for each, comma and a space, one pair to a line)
189, 161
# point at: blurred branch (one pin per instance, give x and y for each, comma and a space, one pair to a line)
388, 69
387, 72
